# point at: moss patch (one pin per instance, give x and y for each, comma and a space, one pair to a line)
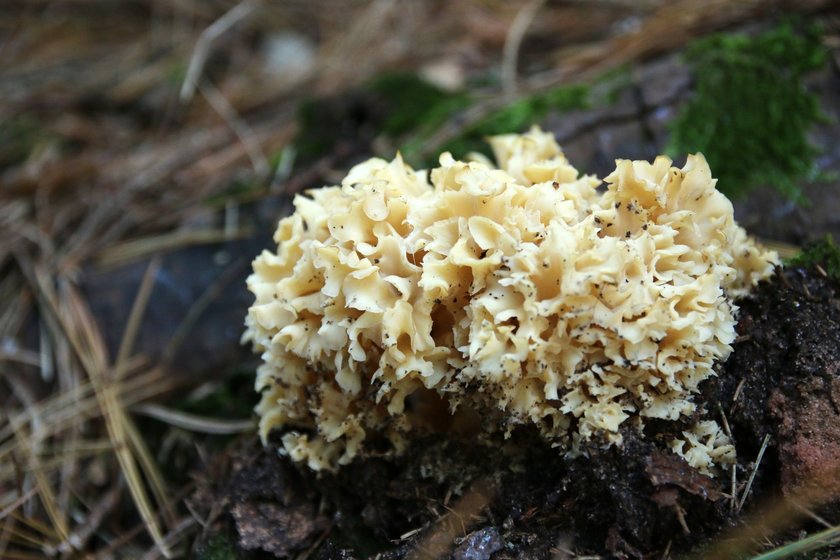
19, 136
219, 547
518, 117
824, 253
751, 111
407, 111
413, 104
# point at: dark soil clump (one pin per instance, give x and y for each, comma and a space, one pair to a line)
519, 498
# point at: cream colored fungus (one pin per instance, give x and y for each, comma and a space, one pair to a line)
519, 292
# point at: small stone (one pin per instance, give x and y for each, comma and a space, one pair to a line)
479, 545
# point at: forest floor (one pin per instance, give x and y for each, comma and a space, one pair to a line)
520, 498
146, 153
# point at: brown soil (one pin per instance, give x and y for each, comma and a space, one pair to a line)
518, 498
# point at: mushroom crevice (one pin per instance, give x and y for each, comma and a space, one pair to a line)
521, 293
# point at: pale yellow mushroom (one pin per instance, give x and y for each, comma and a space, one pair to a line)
521, 293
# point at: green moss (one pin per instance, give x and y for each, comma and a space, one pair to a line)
231, 397
611, 84
409, 111
413, 103
750, 113
315, 136
19, 136
220, 547
393, 104
824, 252
517, 117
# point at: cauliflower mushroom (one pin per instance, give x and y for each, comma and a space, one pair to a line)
520, 292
